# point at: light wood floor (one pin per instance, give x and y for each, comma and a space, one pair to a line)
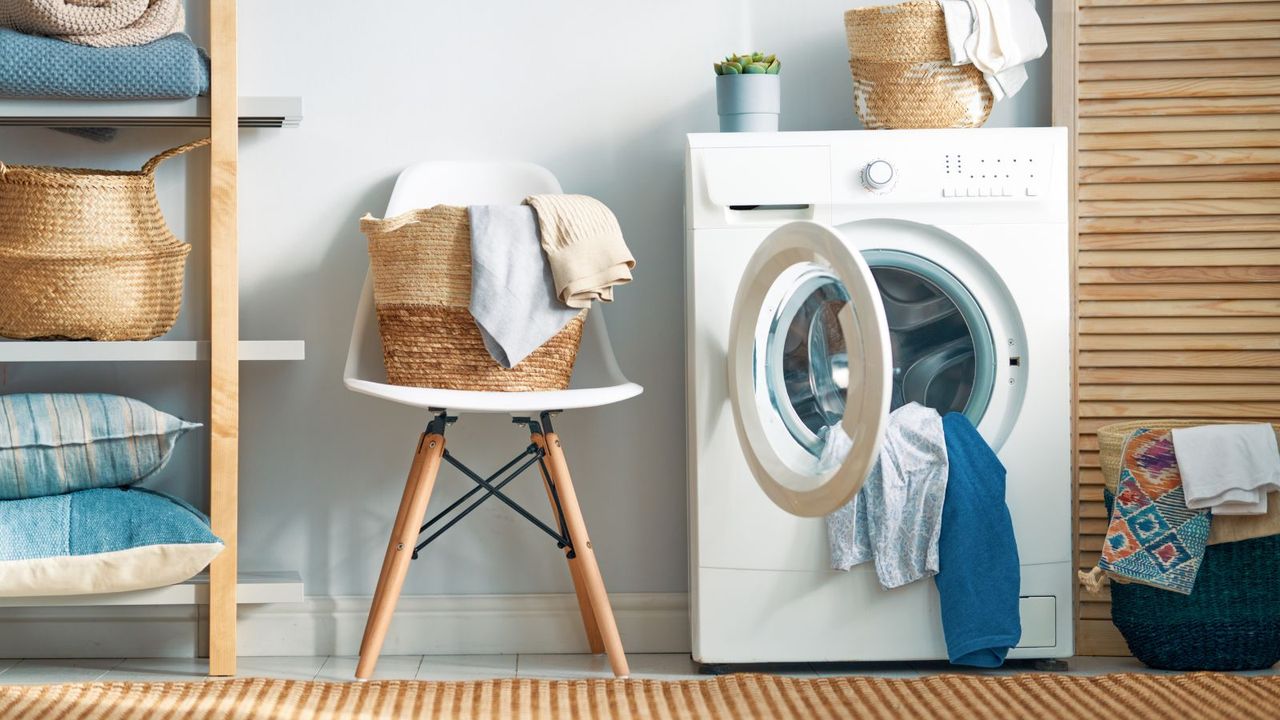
474, 667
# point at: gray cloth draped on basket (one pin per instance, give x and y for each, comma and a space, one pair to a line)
513, 298
171, 68
97, 23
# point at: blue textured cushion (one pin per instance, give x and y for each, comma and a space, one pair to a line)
52, 443
97, 521
96, 541
170, 68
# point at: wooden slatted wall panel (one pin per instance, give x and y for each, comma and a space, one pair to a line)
1177, 120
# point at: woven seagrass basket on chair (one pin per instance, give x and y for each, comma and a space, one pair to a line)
902, 71
86, 254
421, 264
1231, 619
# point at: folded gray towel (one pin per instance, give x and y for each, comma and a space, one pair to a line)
513, 297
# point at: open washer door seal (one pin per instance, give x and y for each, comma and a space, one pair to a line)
810, 368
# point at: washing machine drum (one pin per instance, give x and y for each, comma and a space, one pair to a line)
825, 341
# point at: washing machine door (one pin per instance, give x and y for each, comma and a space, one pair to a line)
809, 368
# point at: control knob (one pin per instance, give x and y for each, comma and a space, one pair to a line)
878, 175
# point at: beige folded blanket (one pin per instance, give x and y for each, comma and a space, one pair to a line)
99, 23
584, 247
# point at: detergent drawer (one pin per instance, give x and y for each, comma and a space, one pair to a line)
758, 187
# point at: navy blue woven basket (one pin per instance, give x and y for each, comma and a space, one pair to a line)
1230, 621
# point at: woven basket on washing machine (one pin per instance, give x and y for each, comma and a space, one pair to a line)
421, 263
902, 71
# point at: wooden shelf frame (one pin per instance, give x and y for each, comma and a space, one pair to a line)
224, 339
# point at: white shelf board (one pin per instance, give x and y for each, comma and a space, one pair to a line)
145, 351
252, 588
265, 112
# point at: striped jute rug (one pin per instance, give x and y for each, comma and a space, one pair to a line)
1128, 696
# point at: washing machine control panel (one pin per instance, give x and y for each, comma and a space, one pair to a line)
990, 174
970, 168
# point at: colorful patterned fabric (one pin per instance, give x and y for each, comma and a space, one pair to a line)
1153, 538
53, 443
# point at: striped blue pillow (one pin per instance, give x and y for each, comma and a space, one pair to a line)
54, 443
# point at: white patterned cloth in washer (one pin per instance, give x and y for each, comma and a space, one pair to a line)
896, 518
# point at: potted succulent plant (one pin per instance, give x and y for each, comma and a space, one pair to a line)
748, 92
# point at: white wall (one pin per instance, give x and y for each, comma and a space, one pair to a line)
600, 93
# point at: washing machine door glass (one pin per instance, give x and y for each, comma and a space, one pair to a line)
943, 354
809, 368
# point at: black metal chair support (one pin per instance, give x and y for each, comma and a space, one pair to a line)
532, 455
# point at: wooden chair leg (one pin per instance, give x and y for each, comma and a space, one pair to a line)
409, 484
400, 551
586, 557
575, 571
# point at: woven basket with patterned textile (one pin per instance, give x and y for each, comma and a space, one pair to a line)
1231, 619
902, 71
86, 254
422, 288
1112, 438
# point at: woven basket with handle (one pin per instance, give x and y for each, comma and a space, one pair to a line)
86, 254
902, 71
1231, 619
421, 264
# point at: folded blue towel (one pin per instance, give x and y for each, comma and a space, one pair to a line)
171, 68
979, 578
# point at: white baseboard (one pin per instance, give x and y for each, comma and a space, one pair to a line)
432, 624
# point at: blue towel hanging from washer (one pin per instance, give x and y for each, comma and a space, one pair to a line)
979, 575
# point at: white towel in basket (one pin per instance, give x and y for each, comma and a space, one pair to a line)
998, 36
1229, 468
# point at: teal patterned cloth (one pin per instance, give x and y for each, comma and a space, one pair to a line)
58, 443
91, 522
171, 68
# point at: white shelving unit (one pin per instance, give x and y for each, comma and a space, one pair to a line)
259, 112
251, 589
148, 351
223, 112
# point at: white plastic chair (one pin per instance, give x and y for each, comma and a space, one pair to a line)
596, 381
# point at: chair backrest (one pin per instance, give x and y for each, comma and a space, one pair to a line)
459, 183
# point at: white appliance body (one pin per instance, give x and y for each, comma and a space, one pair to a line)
989, 208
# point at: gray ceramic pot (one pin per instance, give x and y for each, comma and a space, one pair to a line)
748, 103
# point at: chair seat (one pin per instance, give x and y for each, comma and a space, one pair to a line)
597, 379
496, 402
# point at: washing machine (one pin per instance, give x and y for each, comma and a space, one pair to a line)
834, 276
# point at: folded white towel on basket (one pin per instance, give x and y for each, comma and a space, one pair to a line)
998, 36
1228, 468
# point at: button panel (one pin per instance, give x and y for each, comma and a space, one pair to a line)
989, 175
